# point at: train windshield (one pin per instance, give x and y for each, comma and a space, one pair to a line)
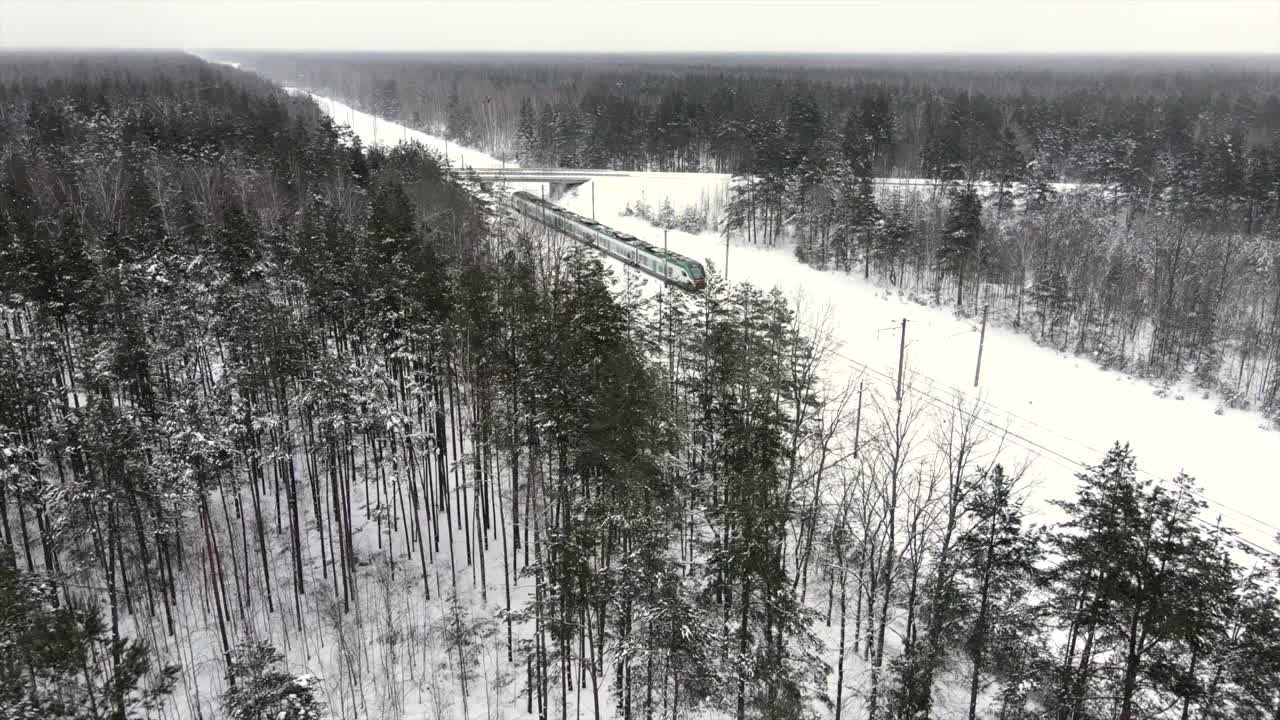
695, 271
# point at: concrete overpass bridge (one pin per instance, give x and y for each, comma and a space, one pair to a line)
563, 179
558, 180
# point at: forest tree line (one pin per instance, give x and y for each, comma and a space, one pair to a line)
1085, 120
293, 428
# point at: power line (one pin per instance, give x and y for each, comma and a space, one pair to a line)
1040, 451
1013, 415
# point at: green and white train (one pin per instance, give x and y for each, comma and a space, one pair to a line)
671, 267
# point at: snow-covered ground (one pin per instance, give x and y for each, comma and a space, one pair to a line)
373, 130
1059, 409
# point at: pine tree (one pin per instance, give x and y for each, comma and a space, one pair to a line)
1052, 297
894, 239
51, 655
459, 121
526, 144
1035, 189
666, 217
876, 117
998, 570
961, 237
1138, 582
264, 690
1243, 673
856, 146
771, 655
804, 128
858, 217
1007, 167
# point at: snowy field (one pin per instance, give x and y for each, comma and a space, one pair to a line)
1058, 409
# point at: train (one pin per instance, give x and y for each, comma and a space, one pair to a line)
670, 267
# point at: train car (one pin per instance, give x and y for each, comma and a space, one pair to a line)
671, 267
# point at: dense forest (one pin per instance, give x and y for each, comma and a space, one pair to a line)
1084, 119
1158, 255
291, 428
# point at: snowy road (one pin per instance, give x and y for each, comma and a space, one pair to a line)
1061, 409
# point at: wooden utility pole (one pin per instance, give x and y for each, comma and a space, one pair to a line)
982, 339
857, 422
902, 354
662, 289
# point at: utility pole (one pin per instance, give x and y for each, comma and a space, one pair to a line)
902, 354
857, 423
726, 257
593, 211
662, 289
982, 339
662, 311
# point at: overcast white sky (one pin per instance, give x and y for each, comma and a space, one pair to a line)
1083, 26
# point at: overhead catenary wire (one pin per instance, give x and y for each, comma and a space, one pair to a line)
1041, 451
1037, 449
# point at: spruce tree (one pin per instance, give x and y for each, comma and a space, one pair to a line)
526, 142
52, 657
264, 690
961, 237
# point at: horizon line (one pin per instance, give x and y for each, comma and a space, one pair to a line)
623, 53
